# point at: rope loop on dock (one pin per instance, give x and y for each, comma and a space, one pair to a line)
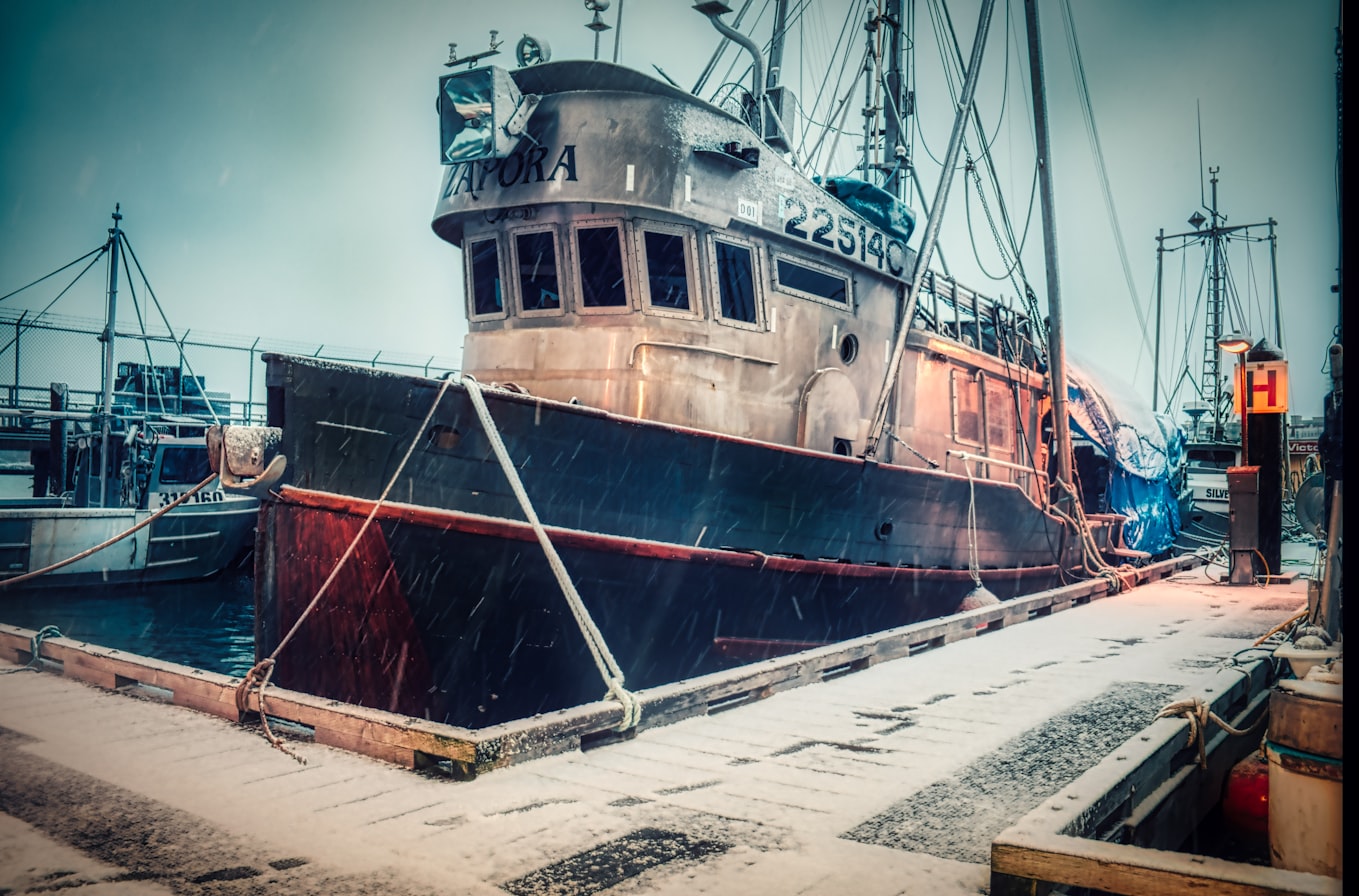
594, 639
34, 663
1199, 714
115, 539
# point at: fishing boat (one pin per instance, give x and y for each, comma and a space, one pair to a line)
713, 408
1206, 400
121, 489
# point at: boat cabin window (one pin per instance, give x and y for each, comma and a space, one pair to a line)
184, 465
484, 267
966, 396
814, 283
1000, 416
536, 261
667, 270
1211, 458
735, 281
600, 254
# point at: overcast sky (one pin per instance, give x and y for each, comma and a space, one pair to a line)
276, 161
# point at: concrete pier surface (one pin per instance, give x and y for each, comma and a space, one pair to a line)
890, 780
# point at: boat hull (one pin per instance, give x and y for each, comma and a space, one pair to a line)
185, 544
690, 549
347, 431
459, 617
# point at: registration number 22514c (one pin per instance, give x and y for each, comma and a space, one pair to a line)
852, 238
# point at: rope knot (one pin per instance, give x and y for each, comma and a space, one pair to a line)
256, 678
1198, 714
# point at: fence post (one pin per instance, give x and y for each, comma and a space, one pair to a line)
18, 329
250, 384
56, 443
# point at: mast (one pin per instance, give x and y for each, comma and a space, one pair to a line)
1056, 345
106, 405
922, 260
1156, 356
1216, 232
895, 158
775, 67
1212, 360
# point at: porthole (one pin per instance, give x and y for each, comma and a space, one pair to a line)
843, 447
849, 348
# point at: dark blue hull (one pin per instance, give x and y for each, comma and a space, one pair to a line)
460, 618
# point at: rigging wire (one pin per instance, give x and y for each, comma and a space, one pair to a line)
946, 68
141, 325
93, 261
97, 249
179, 345
1106, 191
834, 109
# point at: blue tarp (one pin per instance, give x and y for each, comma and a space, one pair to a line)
1146, 451
877, 206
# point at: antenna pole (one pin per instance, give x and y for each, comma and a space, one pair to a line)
1198, 117
922, 259
1056, 346
1156, 357
106, 411
1274, 271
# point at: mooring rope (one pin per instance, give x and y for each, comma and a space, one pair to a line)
594, 639
34, 663
973, 556
115, 539
1199, 714
259, 675
1120, 578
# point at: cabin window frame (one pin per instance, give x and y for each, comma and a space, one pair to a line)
559, 258
469, 273
640, 228
714, 285
828, 270
631, 284
965, 384
998, 414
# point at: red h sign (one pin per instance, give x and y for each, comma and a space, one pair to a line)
1266, 387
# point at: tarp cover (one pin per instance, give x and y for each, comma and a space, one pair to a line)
879, 207
1146, 450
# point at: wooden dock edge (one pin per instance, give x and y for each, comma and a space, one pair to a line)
1115, 828
466, 753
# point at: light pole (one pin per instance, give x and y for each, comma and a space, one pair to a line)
1243, 529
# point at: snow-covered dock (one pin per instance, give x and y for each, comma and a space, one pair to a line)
893, 779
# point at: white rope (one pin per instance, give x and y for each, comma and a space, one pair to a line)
973, 560
594, 639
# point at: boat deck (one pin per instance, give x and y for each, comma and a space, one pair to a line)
890, 780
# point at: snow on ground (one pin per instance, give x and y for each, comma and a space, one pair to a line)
888, 781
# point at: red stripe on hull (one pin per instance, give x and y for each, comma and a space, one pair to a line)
360, 643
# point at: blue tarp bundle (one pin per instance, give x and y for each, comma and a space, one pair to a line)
877, 206
1146, 451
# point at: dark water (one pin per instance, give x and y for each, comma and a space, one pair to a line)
205, 625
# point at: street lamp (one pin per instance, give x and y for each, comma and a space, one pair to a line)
1238, 344
1243, 528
